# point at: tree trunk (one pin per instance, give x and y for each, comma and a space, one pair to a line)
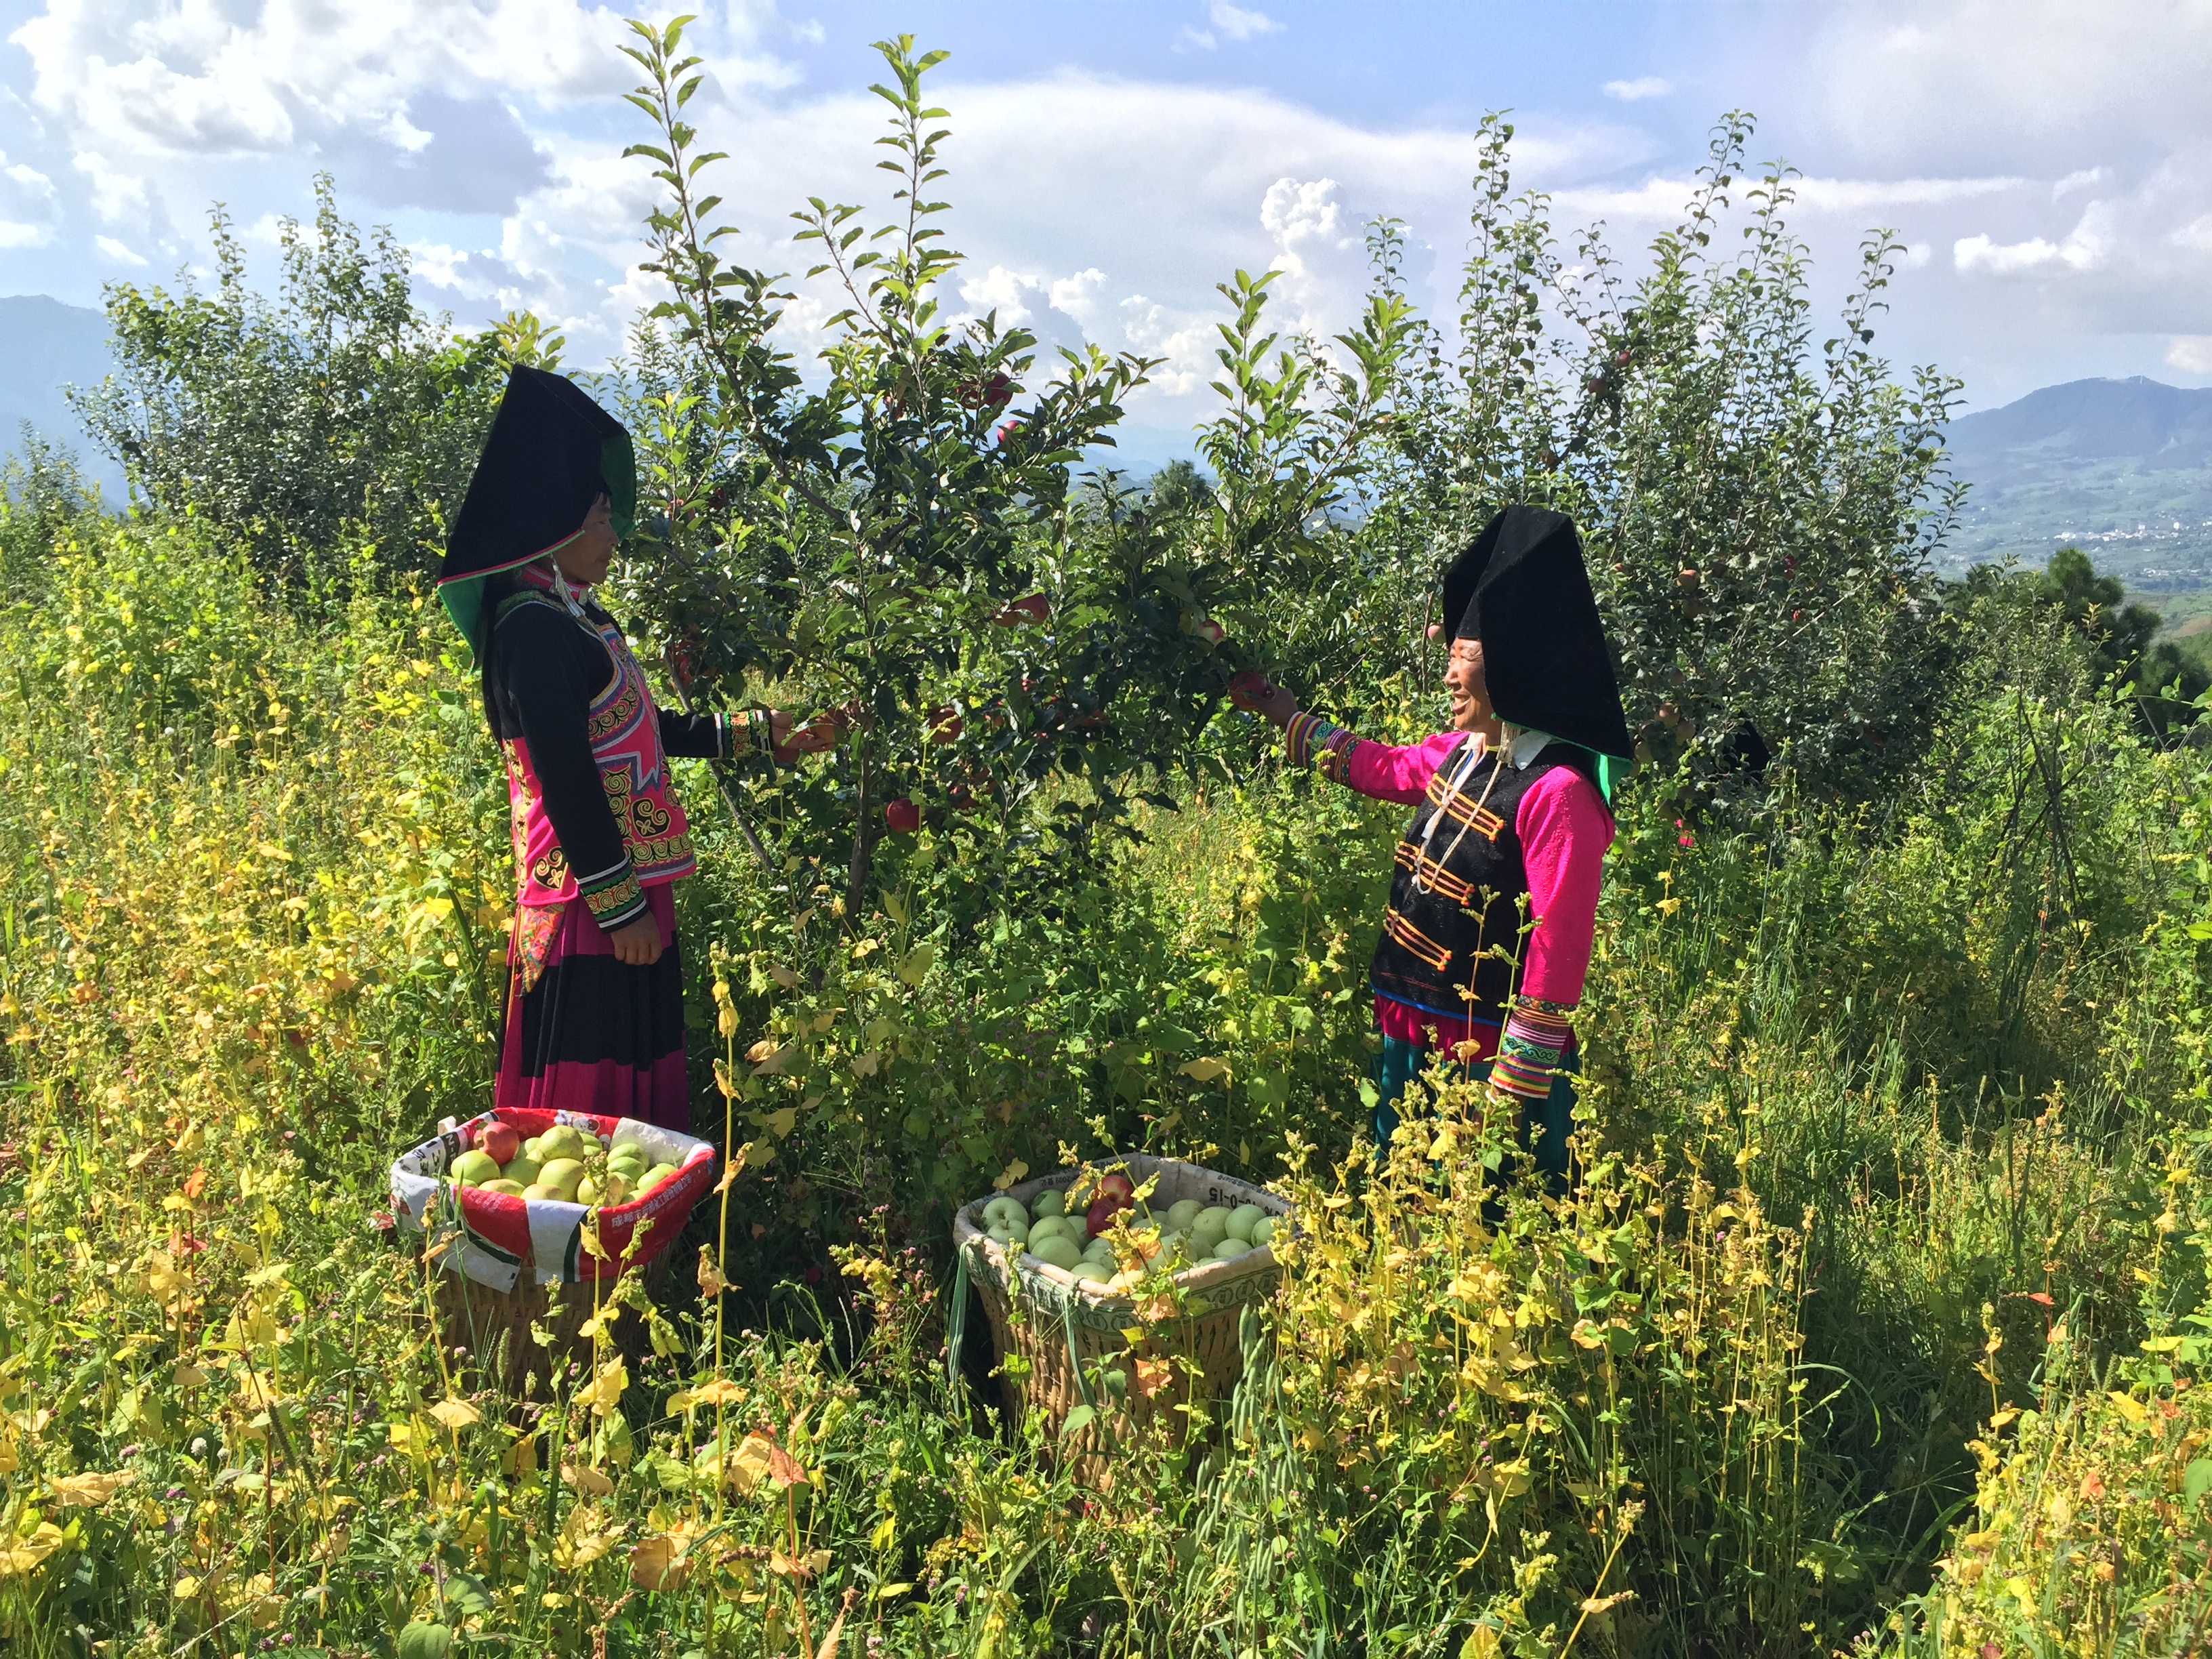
856, 880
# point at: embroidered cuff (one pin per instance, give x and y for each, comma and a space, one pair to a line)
1536, 1035
744, 736
613, 896
1309, 739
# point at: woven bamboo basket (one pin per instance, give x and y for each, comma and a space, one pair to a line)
1063, 1326
495, 1326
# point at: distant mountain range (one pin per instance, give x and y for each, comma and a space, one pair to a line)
2121, 469
46, 345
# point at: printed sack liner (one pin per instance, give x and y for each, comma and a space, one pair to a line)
499, 1233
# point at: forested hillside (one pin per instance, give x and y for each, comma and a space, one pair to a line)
1874, 1323
2123, 468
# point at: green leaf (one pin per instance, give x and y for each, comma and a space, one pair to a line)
2196, 1479
1081, 1417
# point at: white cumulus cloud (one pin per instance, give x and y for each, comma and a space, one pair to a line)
1643, 87
1000, 291
2191, 352
27, 205
1076, 295
116, 195
1235, 22
1972, 253
121, 252
1240, 23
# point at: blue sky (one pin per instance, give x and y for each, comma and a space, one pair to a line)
2049, 165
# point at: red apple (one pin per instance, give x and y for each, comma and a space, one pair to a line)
500, 1141
1118, 1184
1104, 1208
1035, 609
902, 816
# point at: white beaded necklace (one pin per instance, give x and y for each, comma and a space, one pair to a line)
1472, 757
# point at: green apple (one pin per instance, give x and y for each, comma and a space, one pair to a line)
1229, 1248
561, 1174
1003, 1209
530, 1146
1051, 1201
1241, 1220
652, 1178
1056, 1249
1055, 1226
563, 1140
522, 1169
539, 1190
1263, 1231
1091, 1271
473, 1168
1181, 1213
1211, 1224
1010, 1231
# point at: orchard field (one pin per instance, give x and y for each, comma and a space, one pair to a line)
1877, 1325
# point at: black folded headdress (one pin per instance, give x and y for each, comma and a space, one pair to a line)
1521, 588
551, 452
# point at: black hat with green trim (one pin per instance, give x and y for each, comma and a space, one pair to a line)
1521, 589
552, 451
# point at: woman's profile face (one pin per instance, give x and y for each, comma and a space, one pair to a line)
585, 561
1469, 690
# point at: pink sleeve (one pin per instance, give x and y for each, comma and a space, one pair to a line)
1398, 774
1564, 829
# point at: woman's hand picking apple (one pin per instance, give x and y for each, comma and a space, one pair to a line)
817, 735
1253, 693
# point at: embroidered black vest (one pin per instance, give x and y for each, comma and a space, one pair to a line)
1459, 896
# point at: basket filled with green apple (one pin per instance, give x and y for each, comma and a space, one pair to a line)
512, 1204
1068, 1264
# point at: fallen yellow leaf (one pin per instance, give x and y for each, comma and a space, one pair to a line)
720, 1391
456, 1415
89, 1491
586, 1479
22, 1555
605, 1392
711, 1282
751, 1463
660, 1563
